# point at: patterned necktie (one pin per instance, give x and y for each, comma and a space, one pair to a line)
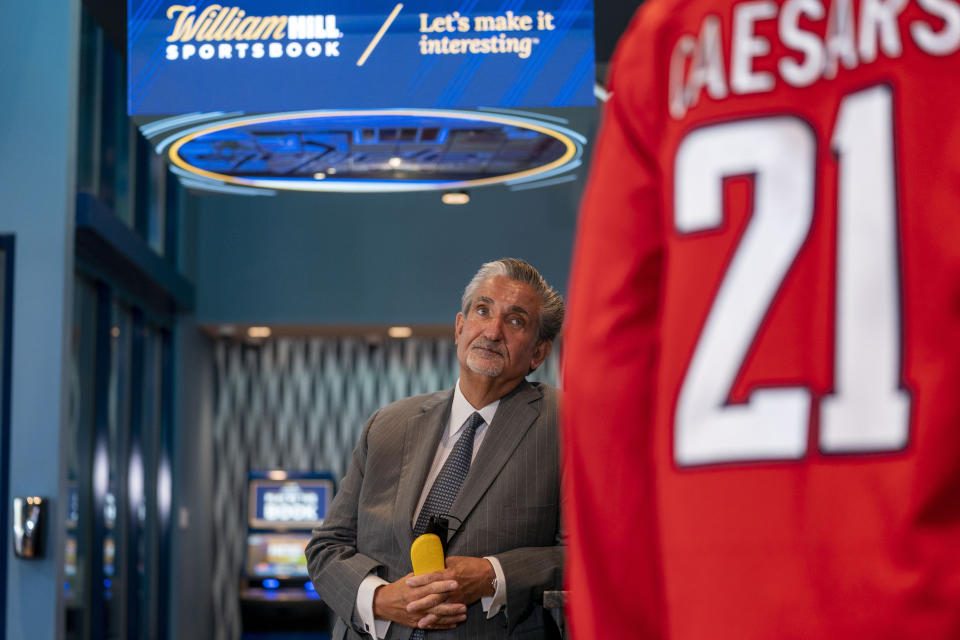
447, 485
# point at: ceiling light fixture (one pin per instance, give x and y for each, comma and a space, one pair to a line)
319, 175
259, 332
399, 332
394, 162
455, 197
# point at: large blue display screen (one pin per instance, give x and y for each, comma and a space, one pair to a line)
261, 56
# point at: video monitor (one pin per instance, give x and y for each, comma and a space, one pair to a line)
290, 502
276, 555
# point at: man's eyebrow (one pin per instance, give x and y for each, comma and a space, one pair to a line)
515, 308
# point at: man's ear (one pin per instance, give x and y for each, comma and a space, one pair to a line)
458, 328
540, 352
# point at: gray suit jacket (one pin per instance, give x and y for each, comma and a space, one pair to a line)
509, 505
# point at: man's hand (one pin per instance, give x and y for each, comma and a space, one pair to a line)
423, 603
473, 578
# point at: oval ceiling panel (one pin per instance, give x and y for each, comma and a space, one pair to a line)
377, 150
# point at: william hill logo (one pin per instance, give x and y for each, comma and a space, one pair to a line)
223, 33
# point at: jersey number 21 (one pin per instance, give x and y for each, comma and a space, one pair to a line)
868, 410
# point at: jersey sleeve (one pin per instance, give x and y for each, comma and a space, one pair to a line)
610, 355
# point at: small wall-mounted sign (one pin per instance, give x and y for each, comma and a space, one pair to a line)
264, 55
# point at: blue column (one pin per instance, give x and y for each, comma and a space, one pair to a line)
39, 50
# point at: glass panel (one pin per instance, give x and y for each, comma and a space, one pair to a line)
143, 462
120, 596
172, 202
164, 480
114, 509
157, 203
88, 125
115, 155
79, 435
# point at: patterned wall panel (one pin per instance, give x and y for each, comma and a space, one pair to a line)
300, 404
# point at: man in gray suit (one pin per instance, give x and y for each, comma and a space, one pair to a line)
507, 549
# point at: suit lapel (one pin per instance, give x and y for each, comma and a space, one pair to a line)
421, 437
515, 415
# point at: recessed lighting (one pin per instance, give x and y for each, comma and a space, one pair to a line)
277, 475
455, 197
319, 175
332, 170
399, 332
259, 332
394, 162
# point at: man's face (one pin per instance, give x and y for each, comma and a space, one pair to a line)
498, 336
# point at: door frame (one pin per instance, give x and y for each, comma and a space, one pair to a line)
7, 246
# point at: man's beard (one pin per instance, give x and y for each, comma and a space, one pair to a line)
484, 362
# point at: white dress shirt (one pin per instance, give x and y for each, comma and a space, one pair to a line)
459, 413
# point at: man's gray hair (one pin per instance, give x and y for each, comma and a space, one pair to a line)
551, 305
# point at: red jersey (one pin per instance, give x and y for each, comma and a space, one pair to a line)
762, 361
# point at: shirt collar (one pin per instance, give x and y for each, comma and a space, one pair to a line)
462, 409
